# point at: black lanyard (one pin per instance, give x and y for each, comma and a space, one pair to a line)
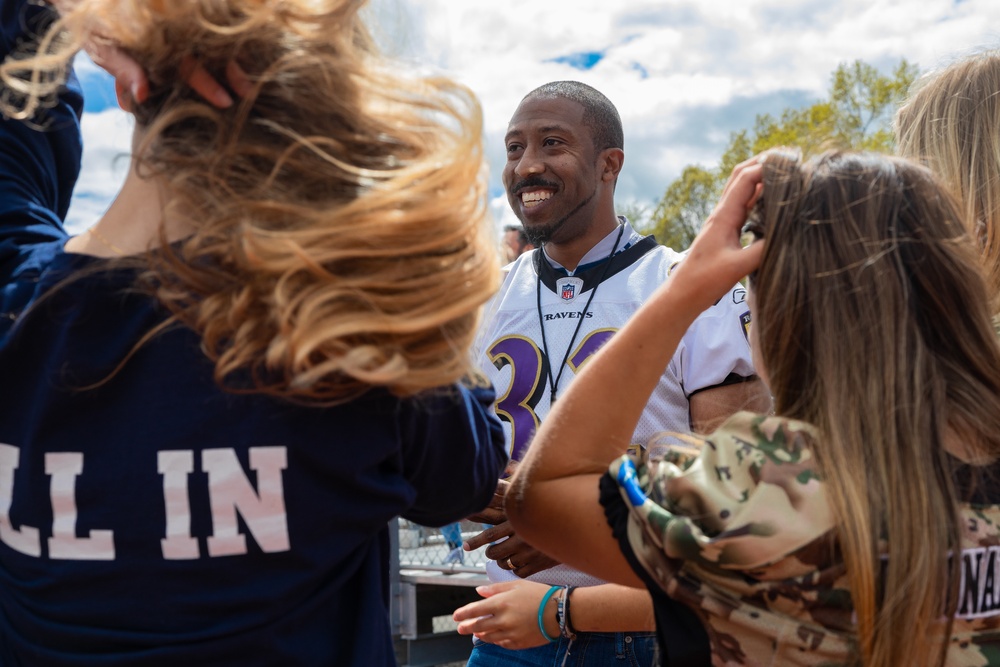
554, 383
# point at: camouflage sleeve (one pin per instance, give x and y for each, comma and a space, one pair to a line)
750, 498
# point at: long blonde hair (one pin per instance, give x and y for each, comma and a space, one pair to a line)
951, 122
874, 326
341, 238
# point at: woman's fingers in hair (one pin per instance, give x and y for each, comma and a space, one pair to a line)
202, 82
238, 80
746, 188
717, 258
755, 161
195, 75
128, 74
738, 197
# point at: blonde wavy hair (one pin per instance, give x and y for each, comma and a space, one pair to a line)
951, 122
874, 326
342, 239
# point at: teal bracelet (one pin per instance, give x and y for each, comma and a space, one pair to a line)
541, 612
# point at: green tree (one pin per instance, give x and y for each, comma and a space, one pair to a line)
857, 115
637, 214
686, 204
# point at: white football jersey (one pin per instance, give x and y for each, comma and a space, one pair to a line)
537, 298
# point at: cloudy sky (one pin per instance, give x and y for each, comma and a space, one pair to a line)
684, 74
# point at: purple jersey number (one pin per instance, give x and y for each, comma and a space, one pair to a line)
528, 378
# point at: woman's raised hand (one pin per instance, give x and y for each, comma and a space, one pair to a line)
717, 260
129, 75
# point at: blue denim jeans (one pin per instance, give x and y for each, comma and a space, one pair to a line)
589, 649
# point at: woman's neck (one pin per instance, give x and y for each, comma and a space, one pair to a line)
131, 225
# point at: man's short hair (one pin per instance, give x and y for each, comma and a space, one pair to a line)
599, 114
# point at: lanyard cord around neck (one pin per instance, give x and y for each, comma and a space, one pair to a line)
554, 383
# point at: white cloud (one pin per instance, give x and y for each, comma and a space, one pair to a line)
107, 140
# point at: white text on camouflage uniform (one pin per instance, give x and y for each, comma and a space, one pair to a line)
979, 589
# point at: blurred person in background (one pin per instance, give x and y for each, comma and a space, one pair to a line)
951, 123
515, 242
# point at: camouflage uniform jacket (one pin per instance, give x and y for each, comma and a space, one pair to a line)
741, 532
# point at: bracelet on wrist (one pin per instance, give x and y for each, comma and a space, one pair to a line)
562, 614
541, 612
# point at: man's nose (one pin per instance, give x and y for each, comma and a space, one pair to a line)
530, 163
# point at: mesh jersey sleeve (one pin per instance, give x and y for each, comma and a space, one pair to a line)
716, 345
40, 158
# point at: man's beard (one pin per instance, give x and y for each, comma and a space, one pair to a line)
539, 234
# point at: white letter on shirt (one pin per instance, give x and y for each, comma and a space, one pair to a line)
64, 544
175, 466
26, 539
230, 490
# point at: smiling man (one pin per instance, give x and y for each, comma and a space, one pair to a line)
564, 152
558, 305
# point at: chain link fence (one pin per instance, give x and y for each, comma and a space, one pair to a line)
437, 549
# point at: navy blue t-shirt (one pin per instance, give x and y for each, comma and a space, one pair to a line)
148, 517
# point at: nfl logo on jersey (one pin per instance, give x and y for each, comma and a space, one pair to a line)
568, 287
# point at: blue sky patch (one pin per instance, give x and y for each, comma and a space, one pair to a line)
584, 60
98, 87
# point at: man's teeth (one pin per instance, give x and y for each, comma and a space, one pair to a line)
530, 199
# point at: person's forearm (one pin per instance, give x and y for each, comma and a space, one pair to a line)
711, 407
593, 422
588, 428
611, 608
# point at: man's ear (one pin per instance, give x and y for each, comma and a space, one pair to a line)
611, 161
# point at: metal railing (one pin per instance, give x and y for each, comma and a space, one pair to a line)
430, 579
